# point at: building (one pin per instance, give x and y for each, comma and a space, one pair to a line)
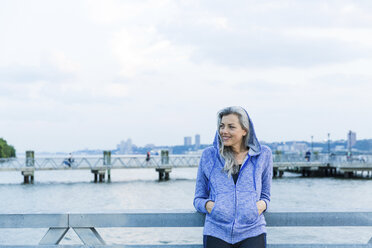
299, 147
340, 148
351, 139
125, 147
187, 141
197, 140
293, 147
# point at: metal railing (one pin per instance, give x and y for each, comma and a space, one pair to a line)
323, 158
174, 161
85, 225
89, 162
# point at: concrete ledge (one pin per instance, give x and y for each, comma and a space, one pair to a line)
154, 219
177, 218
33, 220
181, 218
192, 246
319, 219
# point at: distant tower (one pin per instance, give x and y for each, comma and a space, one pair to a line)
329, 143
125, 147
187, 141
351, 140
197, 140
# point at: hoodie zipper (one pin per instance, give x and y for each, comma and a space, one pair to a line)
232, 227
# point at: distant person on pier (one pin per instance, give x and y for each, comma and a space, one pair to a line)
308, 156
148, 157
233, 184
69, 160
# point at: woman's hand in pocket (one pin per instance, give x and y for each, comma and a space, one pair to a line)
261, 206
209, 206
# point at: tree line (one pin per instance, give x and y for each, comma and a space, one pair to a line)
6, 151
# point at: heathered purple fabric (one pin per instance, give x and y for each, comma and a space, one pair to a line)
234, 216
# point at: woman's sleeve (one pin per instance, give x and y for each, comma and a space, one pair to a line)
201, 188
267, 176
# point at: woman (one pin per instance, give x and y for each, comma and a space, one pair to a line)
233, 184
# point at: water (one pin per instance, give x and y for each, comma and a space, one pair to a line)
74, 192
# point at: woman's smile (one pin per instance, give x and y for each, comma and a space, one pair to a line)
231, 131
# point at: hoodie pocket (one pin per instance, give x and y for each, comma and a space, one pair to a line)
223, 210
247, 212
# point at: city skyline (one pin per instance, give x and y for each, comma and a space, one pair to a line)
125, 143
342, 146
125, 146
157, 71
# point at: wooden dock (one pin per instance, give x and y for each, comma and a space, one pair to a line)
317, 169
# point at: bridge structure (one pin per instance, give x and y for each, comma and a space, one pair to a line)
101, 166
85, 226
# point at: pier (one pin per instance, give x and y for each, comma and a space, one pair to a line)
84, 225
101, 167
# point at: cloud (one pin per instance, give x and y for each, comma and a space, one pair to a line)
272, 49
241, 35
144, 50
295, 34
25, 74
143, 69
53, 67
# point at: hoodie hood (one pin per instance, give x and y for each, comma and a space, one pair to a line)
253, 144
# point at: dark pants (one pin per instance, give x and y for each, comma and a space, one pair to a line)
254, 242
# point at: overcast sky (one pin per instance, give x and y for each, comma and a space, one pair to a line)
88, 74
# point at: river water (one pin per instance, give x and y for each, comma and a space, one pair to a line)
74, 192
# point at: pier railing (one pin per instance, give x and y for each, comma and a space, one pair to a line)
139, 161
85, 225
92, 162
102, 166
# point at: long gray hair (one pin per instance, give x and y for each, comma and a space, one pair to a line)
231, 166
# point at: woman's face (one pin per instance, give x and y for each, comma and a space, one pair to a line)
231, 131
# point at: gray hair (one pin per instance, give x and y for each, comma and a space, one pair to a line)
231, 166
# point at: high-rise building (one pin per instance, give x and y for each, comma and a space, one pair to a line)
125, 147
299, 147
351, 139
197, 140
187, 141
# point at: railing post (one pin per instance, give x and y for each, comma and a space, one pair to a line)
107, 163
28, 171
165, 168
370, 241
89, 236
164, 157
54, 236
100, 171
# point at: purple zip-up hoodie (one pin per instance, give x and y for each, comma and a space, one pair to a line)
234, 216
